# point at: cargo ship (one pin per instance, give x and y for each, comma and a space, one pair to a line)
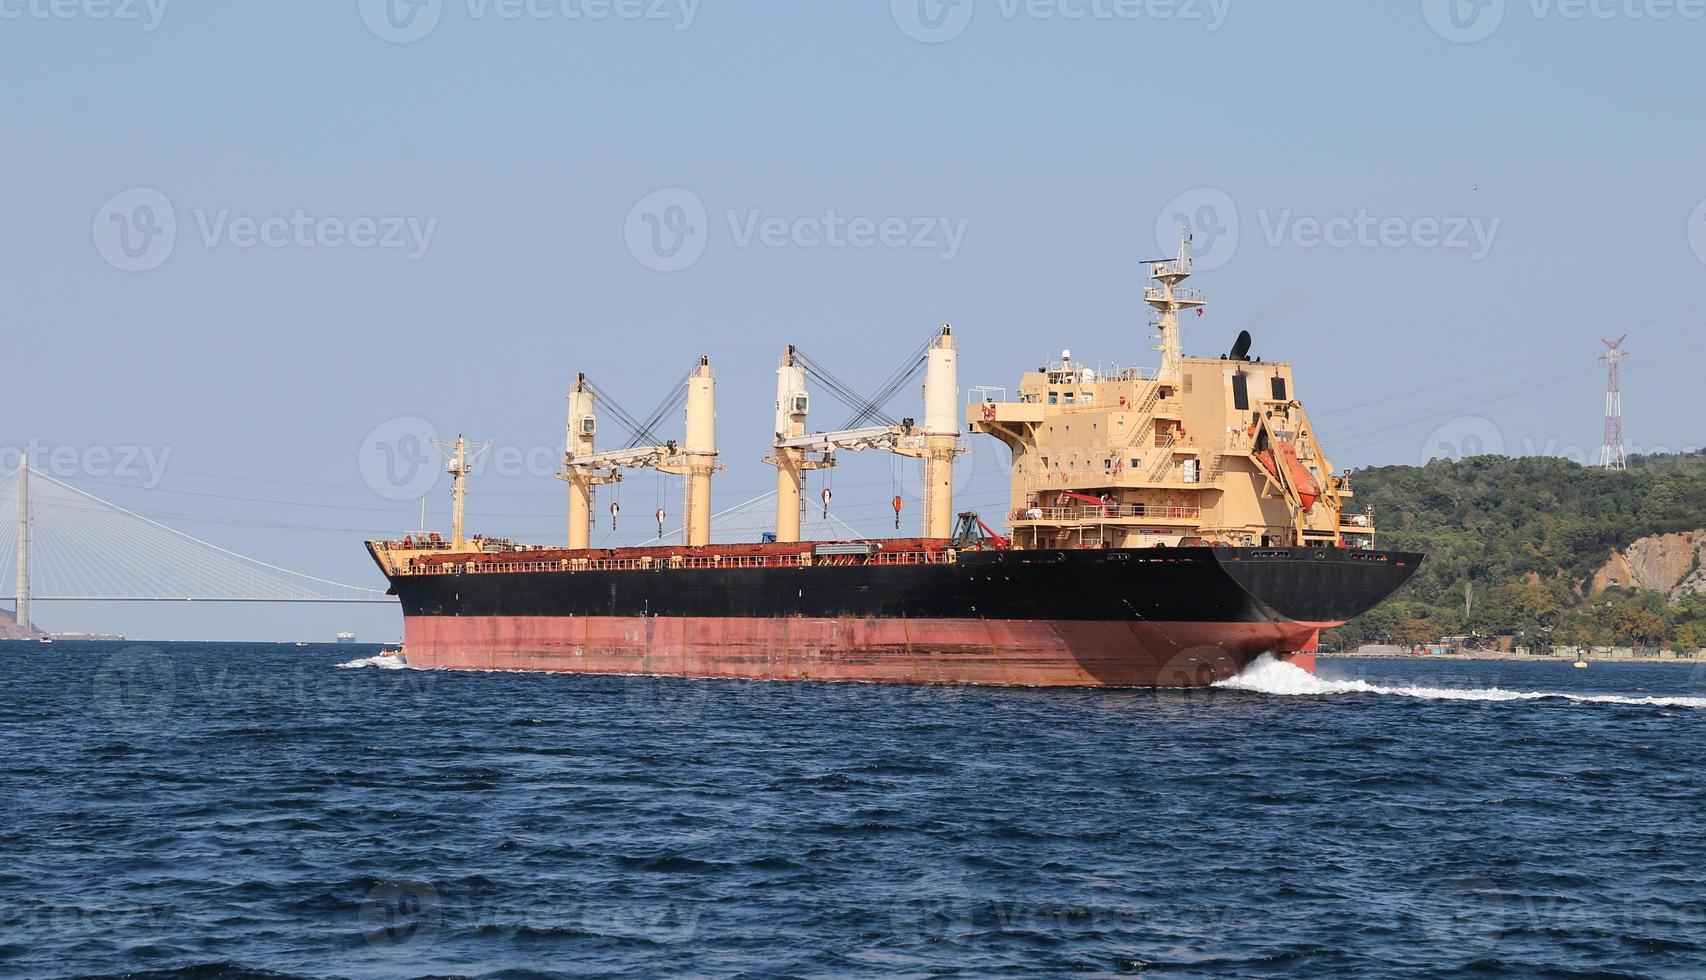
1166, 526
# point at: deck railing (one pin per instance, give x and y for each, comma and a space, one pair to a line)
1111, 512
661, 562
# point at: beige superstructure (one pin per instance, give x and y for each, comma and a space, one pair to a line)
1214, 449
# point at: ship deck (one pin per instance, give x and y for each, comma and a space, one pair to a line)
406, 558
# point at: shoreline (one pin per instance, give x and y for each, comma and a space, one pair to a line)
1694, 658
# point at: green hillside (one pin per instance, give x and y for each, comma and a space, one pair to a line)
1527, 535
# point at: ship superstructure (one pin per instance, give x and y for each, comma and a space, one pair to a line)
1218, 451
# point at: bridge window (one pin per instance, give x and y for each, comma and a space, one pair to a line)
1279, 389
1240, 392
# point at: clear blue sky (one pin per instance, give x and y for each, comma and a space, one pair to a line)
1038, 151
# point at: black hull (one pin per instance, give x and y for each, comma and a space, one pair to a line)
1196, 585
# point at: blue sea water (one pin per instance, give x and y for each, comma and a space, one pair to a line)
208, 810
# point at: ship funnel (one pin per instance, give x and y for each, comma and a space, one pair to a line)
941, 434
701, 451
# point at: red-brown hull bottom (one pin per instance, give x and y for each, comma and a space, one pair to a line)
894, 651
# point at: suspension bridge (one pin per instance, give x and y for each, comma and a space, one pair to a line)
70, 545
78, 547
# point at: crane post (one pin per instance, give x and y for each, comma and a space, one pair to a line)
792, 405
583, 427
941, 434
700, 449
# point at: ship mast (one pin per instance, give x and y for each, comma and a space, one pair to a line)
1167, 300
459, 457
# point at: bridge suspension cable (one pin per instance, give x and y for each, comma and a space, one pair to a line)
84, 548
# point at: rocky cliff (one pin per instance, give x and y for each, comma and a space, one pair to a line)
10, 630
1674, 564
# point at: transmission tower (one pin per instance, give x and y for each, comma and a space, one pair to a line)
1612, 456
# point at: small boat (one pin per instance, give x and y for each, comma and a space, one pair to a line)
45, 639
301, 643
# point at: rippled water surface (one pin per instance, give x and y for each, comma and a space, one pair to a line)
208, 810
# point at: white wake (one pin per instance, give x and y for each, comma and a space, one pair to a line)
384, 661
1266, 675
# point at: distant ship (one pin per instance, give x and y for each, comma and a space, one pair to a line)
346, 637
1167, 527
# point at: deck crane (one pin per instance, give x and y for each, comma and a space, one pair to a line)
936, 442
696, 458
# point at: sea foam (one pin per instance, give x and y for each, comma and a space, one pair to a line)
384, 661
1267, 675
